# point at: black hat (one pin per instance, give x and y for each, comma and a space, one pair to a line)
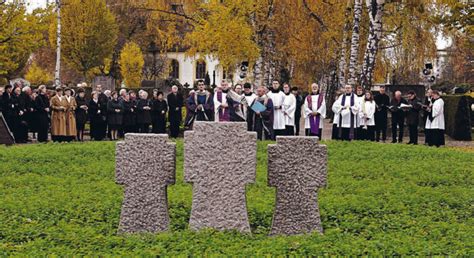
80, 90
411, 93
294, 89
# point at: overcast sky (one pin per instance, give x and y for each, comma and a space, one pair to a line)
32, 4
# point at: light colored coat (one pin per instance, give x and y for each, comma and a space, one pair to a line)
58, 116
70, 116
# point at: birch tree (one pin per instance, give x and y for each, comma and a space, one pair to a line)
375, 10
57, 70
355, 42
342, 66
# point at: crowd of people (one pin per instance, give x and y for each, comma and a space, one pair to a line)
268, 111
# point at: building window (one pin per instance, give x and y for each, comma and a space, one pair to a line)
174, 69
200, 69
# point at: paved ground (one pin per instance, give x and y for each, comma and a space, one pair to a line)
327, 132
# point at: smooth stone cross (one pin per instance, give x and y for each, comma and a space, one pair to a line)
219, 160
297, 167
145, 165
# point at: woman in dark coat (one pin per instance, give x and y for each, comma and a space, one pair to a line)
81, 114
143, 112
42, 114
114, 115
18, 124
97, 118
129, 116
159, 109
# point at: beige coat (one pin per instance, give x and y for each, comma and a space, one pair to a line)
70, 116
58, 116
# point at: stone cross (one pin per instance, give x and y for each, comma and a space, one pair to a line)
219, 160
145, 166
297, 167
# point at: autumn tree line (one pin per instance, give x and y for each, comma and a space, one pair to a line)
333, 42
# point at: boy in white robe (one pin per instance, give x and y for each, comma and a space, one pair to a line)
289, 108
277, 97
435, 122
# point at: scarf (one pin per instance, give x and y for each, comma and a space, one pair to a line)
314, 121
351, 131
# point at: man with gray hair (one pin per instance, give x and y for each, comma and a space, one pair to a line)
398, 116
175, 105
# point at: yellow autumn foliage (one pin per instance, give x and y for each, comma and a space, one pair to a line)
37, 75
131, 65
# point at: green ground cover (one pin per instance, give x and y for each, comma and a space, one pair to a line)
380, 200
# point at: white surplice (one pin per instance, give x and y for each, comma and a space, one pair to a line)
278, 116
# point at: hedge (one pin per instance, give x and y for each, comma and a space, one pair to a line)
457, 113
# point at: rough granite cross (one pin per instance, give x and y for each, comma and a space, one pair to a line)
145, 165
297, 167
219, 160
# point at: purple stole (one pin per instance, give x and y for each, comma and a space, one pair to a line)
351, 131
223, 116
314, 121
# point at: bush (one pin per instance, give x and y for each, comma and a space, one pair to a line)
457, 112
384, 200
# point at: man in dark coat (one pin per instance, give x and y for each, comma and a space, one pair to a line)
42, 114
263, 121
398, 116
382, 101
175, 104
158, 112
299, 104
413, 117
103, 101
6, 106
200, 105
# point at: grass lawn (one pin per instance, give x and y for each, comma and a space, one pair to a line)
380, 200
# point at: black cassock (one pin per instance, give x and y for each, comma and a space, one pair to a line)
382, 101
129, 116
159, 110
97, 120
81, 114
175, 104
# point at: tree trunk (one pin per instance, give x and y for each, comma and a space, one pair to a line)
345, 41
355, 41
57, 71
375, 8
264, 68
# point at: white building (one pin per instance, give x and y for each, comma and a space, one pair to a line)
190, 69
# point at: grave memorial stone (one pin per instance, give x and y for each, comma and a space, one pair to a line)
145, 166
220, 160
297, 167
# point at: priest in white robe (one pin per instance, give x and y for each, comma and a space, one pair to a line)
289, 108
314, 112
346, 108
435, 126
277, 97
